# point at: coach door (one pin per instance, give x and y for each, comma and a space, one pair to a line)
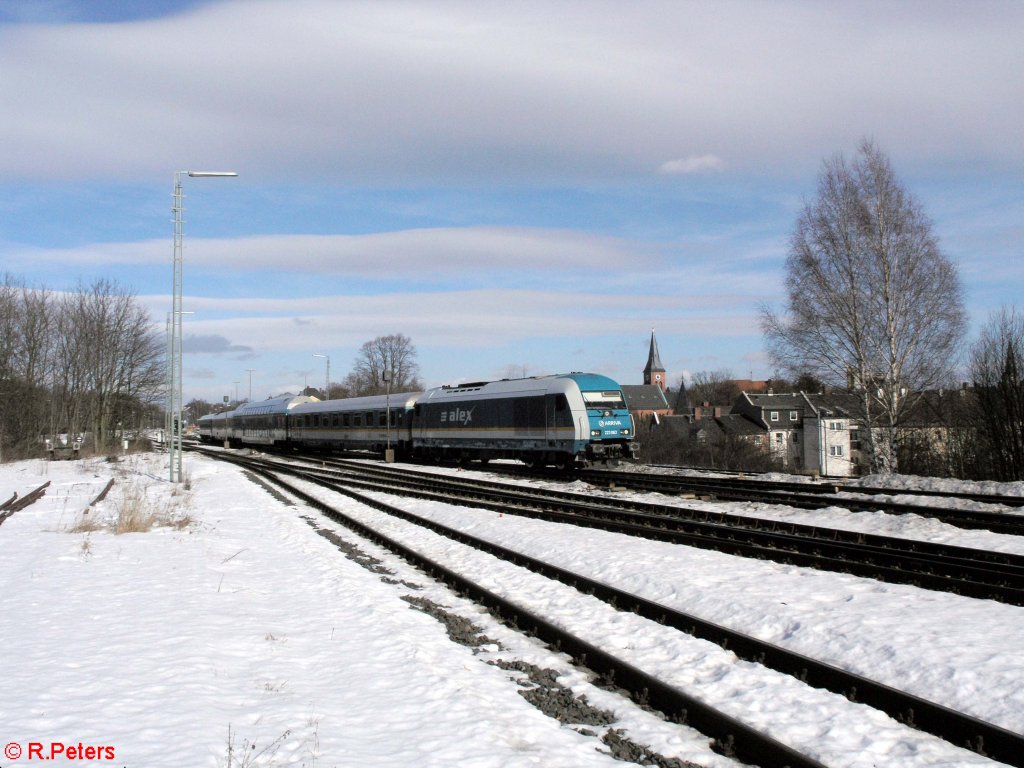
555, 408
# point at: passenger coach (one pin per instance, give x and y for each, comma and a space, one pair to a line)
357, 423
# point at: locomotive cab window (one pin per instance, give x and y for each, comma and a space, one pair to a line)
601, 400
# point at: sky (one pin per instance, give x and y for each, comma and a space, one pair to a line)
517, 187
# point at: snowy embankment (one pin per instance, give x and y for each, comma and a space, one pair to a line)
158, 642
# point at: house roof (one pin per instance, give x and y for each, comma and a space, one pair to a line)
644, 397
779, 401
739, 425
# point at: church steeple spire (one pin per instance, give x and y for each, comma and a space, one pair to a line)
654, 371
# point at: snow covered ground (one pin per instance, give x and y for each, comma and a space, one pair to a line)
239, 625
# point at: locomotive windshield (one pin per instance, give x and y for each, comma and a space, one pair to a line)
604, 400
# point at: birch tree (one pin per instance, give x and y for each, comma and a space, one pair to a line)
872, 302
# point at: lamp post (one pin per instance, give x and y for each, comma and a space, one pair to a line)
251, 371
327, 382
175, 395
389, 455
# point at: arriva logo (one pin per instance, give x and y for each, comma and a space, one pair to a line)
609, 423
457, 416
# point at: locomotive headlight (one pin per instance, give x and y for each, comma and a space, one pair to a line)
595, 433
625, 431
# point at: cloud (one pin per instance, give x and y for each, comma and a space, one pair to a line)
429, 253
692, 164
456, 91
458, 319
214, 344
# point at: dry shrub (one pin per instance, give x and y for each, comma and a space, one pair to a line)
134, 512
86, 524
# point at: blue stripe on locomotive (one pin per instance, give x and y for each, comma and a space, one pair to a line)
609, 423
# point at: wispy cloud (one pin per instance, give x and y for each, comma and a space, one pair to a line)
463, 91
692, 164
430, 252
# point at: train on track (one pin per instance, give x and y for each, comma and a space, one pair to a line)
565, 420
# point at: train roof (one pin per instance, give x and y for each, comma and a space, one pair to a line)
367, 403
273, 405
587, 382
592, 382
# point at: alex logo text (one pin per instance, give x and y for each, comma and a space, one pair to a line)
457, 416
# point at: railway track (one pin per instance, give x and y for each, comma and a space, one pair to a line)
833, 484
747, 744
14, 504
819, 496
960, 570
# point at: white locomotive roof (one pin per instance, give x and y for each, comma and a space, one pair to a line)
539, 385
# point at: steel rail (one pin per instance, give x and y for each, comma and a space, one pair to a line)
806, 496
997, 581
955, 727
733, 736
951, 725
885, 543
16, 504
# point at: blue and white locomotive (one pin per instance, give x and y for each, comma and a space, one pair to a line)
565, 419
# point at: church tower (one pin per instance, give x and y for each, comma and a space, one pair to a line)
654, 371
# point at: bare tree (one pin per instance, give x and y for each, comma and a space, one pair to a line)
390, 359
997, 367
713, 387
83, 361
872, 301
109, 358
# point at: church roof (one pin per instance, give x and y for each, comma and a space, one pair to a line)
653, 358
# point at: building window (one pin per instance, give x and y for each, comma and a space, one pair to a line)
835, 450
794, 415
774, 415
778, 437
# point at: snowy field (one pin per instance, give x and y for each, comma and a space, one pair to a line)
236, 632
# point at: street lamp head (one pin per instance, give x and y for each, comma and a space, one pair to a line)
205, 174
